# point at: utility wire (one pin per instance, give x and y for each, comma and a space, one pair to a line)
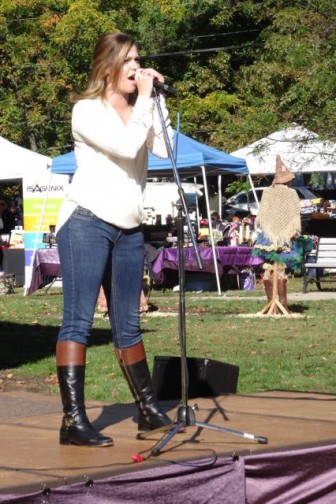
224, 34
210, 49
159, 55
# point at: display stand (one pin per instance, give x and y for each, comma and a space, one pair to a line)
14, 263
274, 307
185, 416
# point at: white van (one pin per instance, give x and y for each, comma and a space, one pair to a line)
161, 198
244, 201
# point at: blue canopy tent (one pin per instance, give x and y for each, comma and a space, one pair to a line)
192, 157
191, 154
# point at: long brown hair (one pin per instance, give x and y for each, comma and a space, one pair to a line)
108, 57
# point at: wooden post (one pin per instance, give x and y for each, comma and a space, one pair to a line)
274, 306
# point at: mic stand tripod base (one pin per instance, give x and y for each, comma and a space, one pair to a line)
186, 418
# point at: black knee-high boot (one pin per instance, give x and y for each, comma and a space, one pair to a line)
134, 366
76, 428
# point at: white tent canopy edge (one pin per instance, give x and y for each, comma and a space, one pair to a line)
16, 161
301, 150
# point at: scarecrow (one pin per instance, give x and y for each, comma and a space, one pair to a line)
279, 221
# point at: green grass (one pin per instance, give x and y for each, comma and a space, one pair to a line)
272, 353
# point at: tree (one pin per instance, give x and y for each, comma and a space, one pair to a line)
199, 46
242, 68
294, 76
46, 49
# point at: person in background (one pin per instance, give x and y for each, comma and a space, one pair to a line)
7, 219
216, 221
115, 121
15, 210
234, 231
7, 223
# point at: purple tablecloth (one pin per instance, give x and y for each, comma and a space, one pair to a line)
226, 257
46, 263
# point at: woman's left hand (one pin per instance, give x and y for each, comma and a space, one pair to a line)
152, 73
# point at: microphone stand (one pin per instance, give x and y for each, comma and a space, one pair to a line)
185, 413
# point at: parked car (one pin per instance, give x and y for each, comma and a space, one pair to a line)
244, 202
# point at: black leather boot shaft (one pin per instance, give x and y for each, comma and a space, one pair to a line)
76, 428
151, 414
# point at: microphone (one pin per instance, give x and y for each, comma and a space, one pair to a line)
164, 87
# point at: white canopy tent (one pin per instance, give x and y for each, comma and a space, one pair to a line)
301, 150
16, 161
31, 169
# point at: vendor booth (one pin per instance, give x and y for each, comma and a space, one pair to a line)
303, 152
192, 159
29, 168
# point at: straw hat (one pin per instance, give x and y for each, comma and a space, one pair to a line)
282, 174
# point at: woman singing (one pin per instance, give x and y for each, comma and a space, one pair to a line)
100, 241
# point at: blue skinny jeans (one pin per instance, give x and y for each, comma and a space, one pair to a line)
94, 253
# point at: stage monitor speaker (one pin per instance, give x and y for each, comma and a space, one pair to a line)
207, 377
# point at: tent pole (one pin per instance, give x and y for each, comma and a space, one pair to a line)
27, 283
220, 196
210, 230
198, 220
253, 190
